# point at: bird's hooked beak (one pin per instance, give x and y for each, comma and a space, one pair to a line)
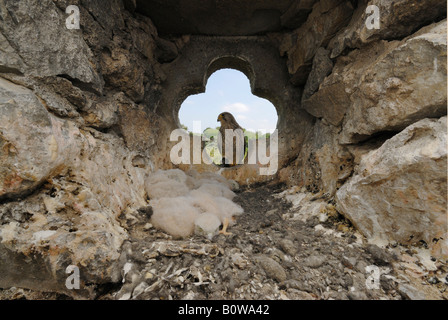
219, 118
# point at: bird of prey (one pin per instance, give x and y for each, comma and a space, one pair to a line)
234, 141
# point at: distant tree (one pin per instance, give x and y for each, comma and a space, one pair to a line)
250, 134
210, 132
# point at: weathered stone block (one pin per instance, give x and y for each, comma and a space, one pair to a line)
385, 86
322, 24
34, 145
37, 30
397, 19
405, 83
398, 192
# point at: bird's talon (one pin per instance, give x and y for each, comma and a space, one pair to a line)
224, 228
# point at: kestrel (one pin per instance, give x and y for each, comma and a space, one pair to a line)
236, 143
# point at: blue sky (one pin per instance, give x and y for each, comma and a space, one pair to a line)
228, 90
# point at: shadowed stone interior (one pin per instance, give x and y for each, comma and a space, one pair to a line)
223, 18
86, 117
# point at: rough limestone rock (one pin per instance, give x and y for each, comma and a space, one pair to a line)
385, 87
37, 30
322, 66
323, 164
297, 13
33, 144
35, 254
398, 192
139, 126
84, 180
101, 114
406, 83
86, 116
398, 19
322, 24
72, 220
120, 71
10, 61
166, 51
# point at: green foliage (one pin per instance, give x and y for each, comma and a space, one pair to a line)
211, 144
256, 135
210, 136
213, 152
209, 132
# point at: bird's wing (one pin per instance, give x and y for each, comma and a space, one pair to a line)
239, 143
236, 144
220, 138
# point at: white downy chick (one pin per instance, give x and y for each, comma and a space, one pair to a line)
175, 216
164, 175
217, 190
166, 189
183, 204
166, 184
207, 224
206, 177
221, 207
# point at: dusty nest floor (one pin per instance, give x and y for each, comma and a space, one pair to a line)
271, 254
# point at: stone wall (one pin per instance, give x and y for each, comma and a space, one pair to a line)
77, 138
85, 116
379, 145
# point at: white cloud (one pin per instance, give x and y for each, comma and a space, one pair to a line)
237, 107
260, 124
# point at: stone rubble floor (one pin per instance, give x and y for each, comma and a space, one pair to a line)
284, 246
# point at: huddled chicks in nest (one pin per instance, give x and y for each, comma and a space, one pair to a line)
192, 202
